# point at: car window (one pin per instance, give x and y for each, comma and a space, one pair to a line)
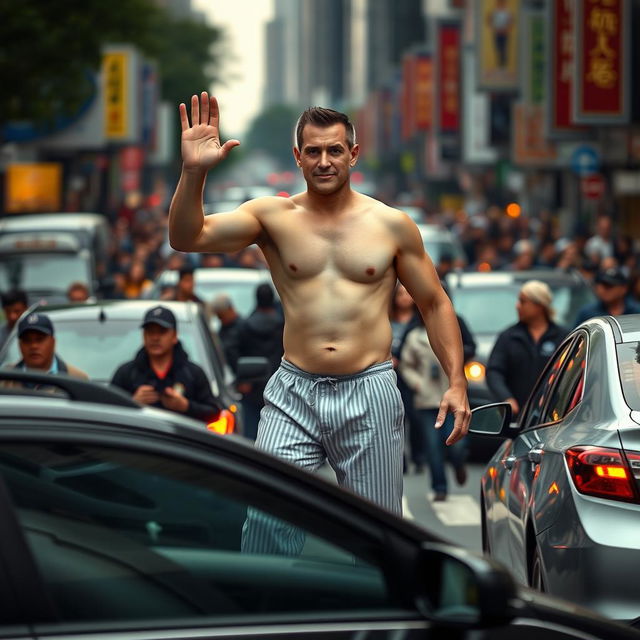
532, 414
568, 390
43, 271
629, 365
119, 534
99, 348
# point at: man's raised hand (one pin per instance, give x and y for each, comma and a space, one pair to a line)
201, 148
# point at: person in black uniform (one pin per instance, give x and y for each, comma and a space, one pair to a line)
161, 375
522, 350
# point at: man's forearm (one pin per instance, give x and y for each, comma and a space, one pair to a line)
446, 341
186, 215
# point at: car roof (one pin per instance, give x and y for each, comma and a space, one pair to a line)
629, 326
496, 278
40, 221
118, 309
225, 274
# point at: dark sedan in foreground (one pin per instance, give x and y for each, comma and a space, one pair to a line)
561, 496
122, 522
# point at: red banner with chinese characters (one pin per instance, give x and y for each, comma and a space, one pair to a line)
449, 80
424, 92
601, 94
408, 96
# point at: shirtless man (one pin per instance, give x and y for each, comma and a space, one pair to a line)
334, 256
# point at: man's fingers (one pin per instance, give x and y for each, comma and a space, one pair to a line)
460, 426
228, 145
195, 111
204, 108
442, 414
214, 112
184, 120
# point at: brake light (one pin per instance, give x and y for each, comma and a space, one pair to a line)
601, 472
224, 423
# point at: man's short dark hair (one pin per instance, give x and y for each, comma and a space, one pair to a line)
13, 296
322, 117
265, 297
185, 271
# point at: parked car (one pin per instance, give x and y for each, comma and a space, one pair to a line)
99, 337
560, 498
44, 264
440, 241
239, 284
121, 521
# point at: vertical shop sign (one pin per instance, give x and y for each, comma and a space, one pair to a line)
449, 80
114, 65
424, 92
497, 25
601, 93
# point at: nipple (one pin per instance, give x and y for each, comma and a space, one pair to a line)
370, 271
293, 267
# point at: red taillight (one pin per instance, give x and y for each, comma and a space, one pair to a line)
601, 472
224, 423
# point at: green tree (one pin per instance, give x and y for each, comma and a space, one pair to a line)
272, 131
48, 48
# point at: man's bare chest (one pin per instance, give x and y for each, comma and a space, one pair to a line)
361, 253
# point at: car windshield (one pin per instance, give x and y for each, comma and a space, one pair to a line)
42, 271
629, 365
99, 348
489, 310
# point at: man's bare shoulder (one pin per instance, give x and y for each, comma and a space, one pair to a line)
396, 218
267, 205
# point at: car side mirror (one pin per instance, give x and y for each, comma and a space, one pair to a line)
492, 420
461, 589
252, 369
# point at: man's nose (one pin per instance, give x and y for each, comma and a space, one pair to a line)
324, 159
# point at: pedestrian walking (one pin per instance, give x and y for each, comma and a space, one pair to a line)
334, 255
522, 350
161, 374
14, 304
185, 288
230, 321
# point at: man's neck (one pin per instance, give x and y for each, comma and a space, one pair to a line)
615, 308
332, 202
537, 326
161, 362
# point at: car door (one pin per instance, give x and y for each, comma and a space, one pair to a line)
140, 534
555, 395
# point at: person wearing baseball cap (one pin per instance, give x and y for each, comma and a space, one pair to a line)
611, 288
36, 338
161, 374
522, 350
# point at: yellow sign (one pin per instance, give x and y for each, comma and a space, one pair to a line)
114, 67
33, 187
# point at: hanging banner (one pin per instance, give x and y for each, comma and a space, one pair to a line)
424, 92
534, 59
560, 123
601, 92
408, 96
530, 144
498, 36
448, 67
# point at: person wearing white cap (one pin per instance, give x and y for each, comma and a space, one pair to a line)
522, 350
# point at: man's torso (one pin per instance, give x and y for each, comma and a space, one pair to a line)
335, 274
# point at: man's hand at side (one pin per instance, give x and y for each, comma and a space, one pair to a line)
455, 401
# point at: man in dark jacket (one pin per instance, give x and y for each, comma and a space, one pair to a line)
161, 375
230, 322
260, 334
522, 350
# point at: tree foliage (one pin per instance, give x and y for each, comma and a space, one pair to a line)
48, 48
272, 131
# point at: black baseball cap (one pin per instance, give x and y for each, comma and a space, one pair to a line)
161, 316
613, 277
35, 322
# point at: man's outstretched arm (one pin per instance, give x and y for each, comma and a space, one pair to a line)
189, 229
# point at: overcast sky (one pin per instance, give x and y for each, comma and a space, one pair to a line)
244, 21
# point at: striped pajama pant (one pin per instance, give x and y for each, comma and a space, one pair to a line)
354, 422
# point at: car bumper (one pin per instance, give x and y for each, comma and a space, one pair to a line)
591, 556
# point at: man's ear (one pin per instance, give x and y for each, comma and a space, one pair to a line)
355, 153
296, 155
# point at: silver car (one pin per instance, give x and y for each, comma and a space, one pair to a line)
560, 498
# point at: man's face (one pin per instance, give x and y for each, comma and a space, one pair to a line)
528, 310
13, 312
611, 294
37, 349
325, 157
185, 284
159, 341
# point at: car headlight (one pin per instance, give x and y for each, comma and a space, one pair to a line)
474, 371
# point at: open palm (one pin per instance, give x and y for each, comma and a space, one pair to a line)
201, 147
